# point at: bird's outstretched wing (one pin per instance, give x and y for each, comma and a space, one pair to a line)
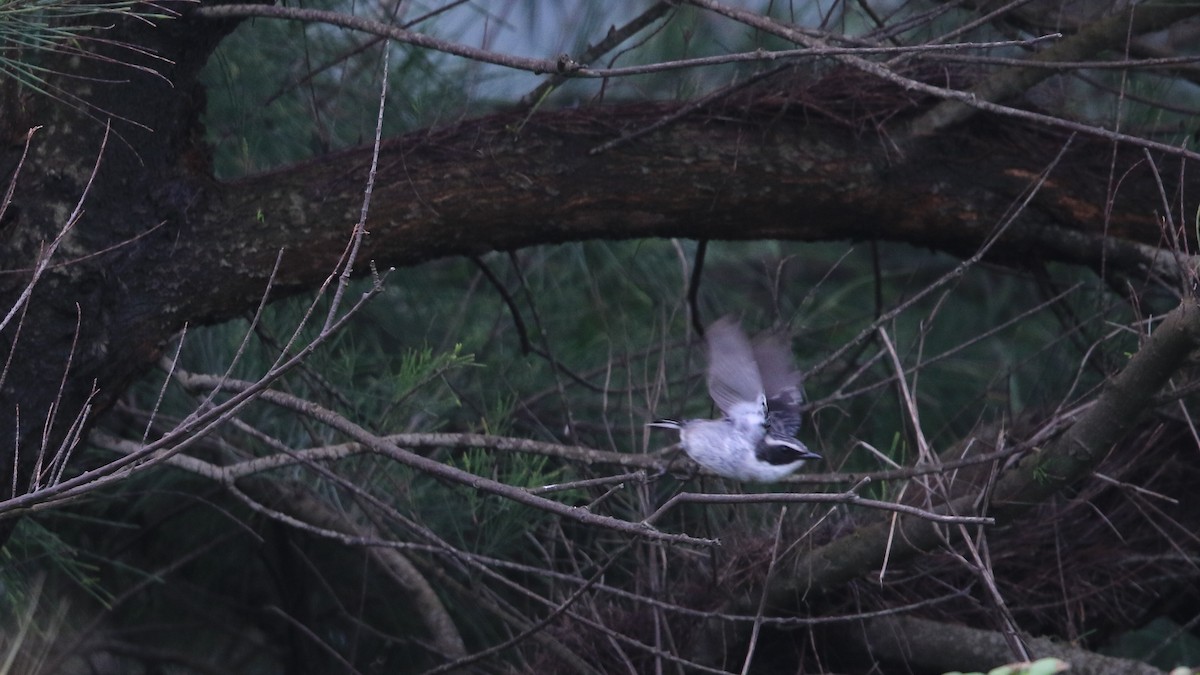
782, 383
734, 381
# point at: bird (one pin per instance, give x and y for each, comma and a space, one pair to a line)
758, 391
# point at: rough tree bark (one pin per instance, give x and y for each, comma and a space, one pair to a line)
162, 243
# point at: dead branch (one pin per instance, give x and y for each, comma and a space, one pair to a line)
1043, 473
382, 446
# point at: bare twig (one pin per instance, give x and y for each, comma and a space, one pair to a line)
611, 40
48, 251
16, 172
619, 480
814, 498
383, 446
762, 600
360, 227
564, 65
555, 367
1014, 212
966, 98
187, 433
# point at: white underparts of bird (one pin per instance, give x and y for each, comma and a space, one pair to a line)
758, 390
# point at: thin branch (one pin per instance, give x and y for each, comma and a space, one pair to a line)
564, 65
966, 98
555, 367
1015, 211
1055, 466
432, 467
396, 33
760, 614
815, 498
48, 252
509, 301
583, 455
760, 55
16, 172
611, 40
187, 433
360, 227
1063, 66
305, 630
618, 480
693, 290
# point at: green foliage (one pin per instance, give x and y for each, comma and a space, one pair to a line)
32, 30
282, 91
35, 547
482, 523
1162, 643
42, 575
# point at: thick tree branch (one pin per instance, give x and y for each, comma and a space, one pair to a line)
940, 647
476, 187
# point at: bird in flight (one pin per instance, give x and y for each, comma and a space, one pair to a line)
757, 388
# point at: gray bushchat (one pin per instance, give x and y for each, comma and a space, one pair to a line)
757, 388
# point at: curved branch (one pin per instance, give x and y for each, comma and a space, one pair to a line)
474, 188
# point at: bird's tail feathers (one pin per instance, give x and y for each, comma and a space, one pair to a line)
666, 423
